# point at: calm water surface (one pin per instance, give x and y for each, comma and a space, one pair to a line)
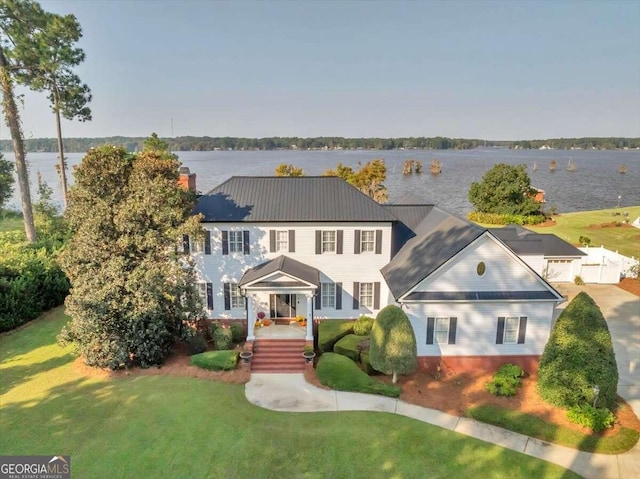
595, 183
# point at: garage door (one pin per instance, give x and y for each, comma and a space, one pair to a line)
559, 270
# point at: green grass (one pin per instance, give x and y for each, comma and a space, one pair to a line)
339, 372
570, 226
164, 426
331, 330
10, 221
536, 427
225, 360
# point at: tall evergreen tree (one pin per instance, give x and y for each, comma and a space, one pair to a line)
131, 289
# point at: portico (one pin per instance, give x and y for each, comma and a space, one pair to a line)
280, 288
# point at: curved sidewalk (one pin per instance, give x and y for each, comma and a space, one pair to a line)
291, 392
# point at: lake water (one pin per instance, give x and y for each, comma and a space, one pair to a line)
595, 183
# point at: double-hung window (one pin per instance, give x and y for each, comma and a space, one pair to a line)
235, 242
237, 301
511, 329
367, 241
441, 331
328, 241
366, 295
328, 295
197, 246
282, 241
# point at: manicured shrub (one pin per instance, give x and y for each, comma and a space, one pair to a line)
506, 219
216, 360
332, 330
213, 326
341, 373
362, 326
350, 346
597, 419
196, 344
365, 363
237, 332
578, 356
506, 380
393, 347
578, 280
222, 339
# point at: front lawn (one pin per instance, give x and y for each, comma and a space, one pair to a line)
164, 426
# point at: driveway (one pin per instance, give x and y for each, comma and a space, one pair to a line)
622, 312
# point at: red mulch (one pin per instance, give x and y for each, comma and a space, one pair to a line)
630, 284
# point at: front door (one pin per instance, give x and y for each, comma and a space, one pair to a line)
283, 305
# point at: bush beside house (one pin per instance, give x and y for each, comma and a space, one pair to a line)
393, 347
330, 332
216, 360
578, 356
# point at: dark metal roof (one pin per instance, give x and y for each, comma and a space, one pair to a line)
525, 242
410, 215
285, 265
480, 295
439, 237
307, 198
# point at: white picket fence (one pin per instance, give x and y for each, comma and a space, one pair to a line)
603, 266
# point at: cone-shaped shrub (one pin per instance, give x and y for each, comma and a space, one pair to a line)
578, 356
393, 347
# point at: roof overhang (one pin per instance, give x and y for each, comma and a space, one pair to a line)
477, 296
281, 273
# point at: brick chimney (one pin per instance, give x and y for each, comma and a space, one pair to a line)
187, 179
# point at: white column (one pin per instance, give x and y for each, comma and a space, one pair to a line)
251, 319
309, 317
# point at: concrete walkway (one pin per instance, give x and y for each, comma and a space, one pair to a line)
291, 392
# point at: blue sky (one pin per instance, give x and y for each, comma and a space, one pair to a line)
473, 69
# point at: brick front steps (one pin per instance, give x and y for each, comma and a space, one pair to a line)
278, 356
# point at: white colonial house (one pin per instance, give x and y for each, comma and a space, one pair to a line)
317, 247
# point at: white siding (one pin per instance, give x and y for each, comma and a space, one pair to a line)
503, 271
477, 326
345, 268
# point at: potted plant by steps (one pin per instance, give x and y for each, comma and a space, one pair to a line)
246, 356
308, 354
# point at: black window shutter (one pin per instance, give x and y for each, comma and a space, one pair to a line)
356, 295
500, 331
225, 242
318, 242
338, 295
376, 295
356, 242
185, 244
207, 242
339, 242
272, 241
430, 325
378, 241
245, 241
227, 296
319, 297
453, 324
209, 296
292, 241
522, 331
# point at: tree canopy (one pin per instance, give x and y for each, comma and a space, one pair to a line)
393, 347
288, 170
131, 289
368, 178
505, 189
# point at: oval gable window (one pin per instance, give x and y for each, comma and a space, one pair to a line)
481, 268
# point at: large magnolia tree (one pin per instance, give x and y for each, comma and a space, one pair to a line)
131, 288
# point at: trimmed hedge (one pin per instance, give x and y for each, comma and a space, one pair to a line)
393, 347
350, 346
578, 356
216, 360
596, 419
363, 325
506, 219
237, 332
506, 380
222, 339
331, 331
341, 373
30, 280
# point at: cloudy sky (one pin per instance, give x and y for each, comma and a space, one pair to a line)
474, 69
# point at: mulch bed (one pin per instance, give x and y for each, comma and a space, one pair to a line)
631, 285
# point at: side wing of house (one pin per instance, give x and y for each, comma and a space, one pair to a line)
481, 308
